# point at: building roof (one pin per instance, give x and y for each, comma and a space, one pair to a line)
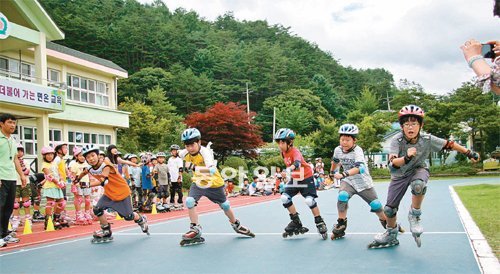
84, 56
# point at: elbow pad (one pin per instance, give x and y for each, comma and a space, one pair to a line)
361, 166
104, 182
212, 170
296, 163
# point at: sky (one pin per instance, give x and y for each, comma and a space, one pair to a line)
415, 40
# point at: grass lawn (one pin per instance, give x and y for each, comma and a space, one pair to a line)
483, 203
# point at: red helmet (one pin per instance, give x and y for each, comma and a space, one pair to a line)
47, 150
411, 110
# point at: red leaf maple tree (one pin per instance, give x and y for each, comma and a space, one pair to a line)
229, 128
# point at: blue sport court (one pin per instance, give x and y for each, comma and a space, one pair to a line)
445, 244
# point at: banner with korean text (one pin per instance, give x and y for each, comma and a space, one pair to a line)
33, 95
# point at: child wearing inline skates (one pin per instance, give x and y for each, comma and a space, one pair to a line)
82, 190
22, 194
299, 177
52, 189
116, 194
408, 153
207, 182
354, 180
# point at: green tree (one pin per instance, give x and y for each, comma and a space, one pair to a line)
292, 115
301, 97
151, 127
326, 138
478, 112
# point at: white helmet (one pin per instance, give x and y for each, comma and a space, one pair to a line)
161, 154
89, 148
349, 129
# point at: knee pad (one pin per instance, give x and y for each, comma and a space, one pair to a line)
310, 202
151, 195
16, 205
27, 203
225, 205
36, 200
78, 200
50, 204
98, 211
418, 187
375, 205
88, 201
343, 196
129, 217
190, 202
286, 200
390, 212
61, 205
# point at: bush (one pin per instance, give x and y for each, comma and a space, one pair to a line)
378, 172
186, 180
466, 168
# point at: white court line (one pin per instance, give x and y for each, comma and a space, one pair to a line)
128, 229
487, 261
42, 247
277, 233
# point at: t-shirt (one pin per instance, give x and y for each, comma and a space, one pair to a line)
174, 164
201, 179
425, 144
146, 178
77, 168
8, 150
136, 174
304, 171
117, 188
162, 170
53, 171
349, 160
25, 170
320, 167
61, 165
252, 188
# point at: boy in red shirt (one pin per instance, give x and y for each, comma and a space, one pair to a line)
299, 177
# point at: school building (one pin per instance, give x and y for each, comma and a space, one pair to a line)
57, 93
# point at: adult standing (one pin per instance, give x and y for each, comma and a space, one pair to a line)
9, 166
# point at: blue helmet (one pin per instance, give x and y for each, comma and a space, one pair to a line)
190, 135
349, 129
284, 134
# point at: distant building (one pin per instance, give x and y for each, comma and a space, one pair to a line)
57, 93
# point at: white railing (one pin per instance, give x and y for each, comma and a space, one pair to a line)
28, 78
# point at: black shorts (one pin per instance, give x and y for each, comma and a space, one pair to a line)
305, 188
123, 207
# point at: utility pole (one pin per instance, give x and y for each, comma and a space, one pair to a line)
388, 101
274, 122
248, 102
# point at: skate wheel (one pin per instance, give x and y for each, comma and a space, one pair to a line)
251, 234
285, 235
324, 236
297, 232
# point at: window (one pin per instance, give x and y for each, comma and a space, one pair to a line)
85, 138
27, 136
4, 66
87, 91
53, 77
55, 135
